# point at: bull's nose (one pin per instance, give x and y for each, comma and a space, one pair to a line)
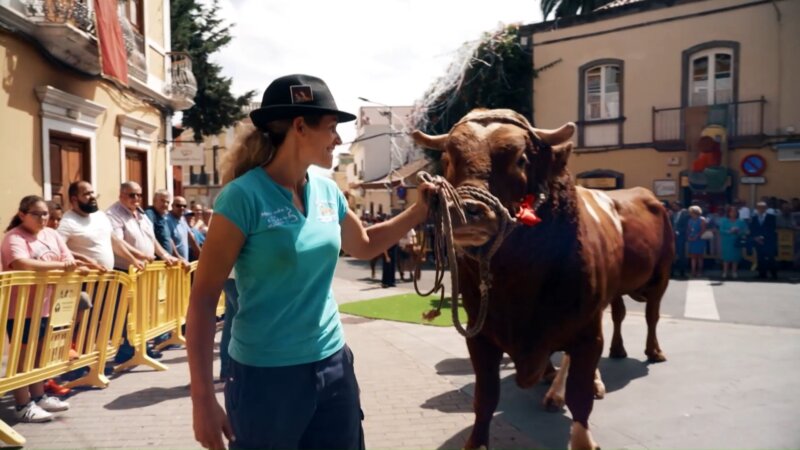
474, 210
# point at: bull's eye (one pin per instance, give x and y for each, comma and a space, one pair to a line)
522, 162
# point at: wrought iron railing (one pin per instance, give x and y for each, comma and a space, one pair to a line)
744, 121
182, 85
73, 12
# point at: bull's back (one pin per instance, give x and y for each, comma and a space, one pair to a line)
647, 236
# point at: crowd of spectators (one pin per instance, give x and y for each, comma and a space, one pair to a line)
728, 232
42, 236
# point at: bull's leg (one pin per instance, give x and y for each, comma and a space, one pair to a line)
584, 356
485, 358
652, 314
599, 386
554, 398
617, 316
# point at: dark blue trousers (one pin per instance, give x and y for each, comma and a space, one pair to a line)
307, 406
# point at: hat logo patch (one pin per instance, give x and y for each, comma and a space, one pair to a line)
301, 94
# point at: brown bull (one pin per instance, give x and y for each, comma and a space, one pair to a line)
550, 282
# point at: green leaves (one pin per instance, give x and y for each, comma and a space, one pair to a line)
199, 31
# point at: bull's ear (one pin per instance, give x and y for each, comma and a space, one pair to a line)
428, 141
558, 135
560, 157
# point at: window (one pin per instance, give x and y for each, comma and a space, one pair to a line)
134, 10
602, 92
601, 103
711, 77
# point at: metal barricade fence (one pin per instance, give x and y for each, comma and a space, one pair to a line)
156, 308
40, 338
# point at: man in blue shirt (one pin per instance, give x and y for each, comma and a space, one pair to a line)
181, 237
157, 213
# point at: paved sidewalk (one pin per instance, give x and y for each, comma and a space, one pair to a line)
406, 403
726, 385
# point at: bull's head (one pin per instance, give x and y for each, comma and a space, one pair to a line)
499, 151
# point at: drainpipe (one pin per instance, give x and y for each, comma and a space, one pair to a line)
778, 30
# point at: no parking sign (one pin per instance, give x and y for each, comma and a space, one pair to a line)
753, 165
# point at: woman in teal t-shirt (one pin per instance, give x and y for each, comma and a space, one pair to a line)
291, 380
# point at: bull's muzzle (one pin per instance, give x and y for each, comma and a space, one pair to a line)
480, 225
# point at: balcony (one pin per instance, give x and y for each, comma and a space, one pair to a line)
744, 122
182, 86
65, 28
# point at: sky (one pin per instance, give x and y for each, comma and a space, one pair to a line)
388, 51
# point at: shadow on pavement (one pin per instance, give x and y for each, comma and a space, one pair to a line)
617, 373
451, 401
152, 396
457, 441
463, 366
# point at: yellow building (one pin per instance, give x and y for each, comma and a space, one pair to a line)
645, 82
61, 121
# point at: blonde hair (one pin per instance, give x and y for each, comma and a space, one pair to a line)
257, 147
695, 209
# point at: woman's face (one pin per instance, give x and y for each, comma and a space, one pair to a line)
732, 213
35, 219
319, 141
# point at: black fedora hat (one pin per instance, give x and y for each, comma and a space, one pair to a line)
296, 95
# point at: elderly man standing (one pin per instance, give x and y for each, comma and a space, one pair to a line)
130, 224
765, 237
88, 231
181, 236
157, 213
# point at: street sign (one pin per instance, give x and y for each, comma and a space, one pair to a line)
187, 154
753, 165
753, 180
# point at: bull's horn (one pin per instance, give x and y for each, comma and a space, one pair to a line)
556, 136
428, 141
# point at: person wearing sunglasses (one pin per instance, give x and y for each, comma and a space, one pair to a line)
132, 226
181, 237
30, 245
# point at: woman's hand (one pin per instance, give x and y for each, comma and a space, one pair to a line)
210, 423
426, 192
70, 265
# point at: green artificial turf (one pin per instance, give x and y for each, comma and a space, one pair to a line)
404, 308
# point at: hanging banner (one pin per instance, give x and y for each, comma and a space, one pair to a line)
113, 57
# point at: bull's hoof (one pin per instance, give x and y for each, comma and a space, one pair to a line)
553, 402
581, 439
617, 353
599, 390
656, 356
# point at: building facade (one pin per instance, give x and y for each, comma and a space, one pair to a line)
694, 99
61, 121
373, 171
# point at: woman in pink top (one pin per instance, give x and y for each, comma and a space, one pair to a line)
30, 245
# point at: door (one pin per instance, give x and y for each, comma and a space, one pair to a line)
69, 161
136, 169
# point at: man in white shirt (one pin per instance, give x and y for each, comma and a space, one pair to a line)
88, 232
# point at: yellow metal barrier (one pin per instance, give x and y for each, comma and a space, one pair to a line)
94, 333
156, 307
